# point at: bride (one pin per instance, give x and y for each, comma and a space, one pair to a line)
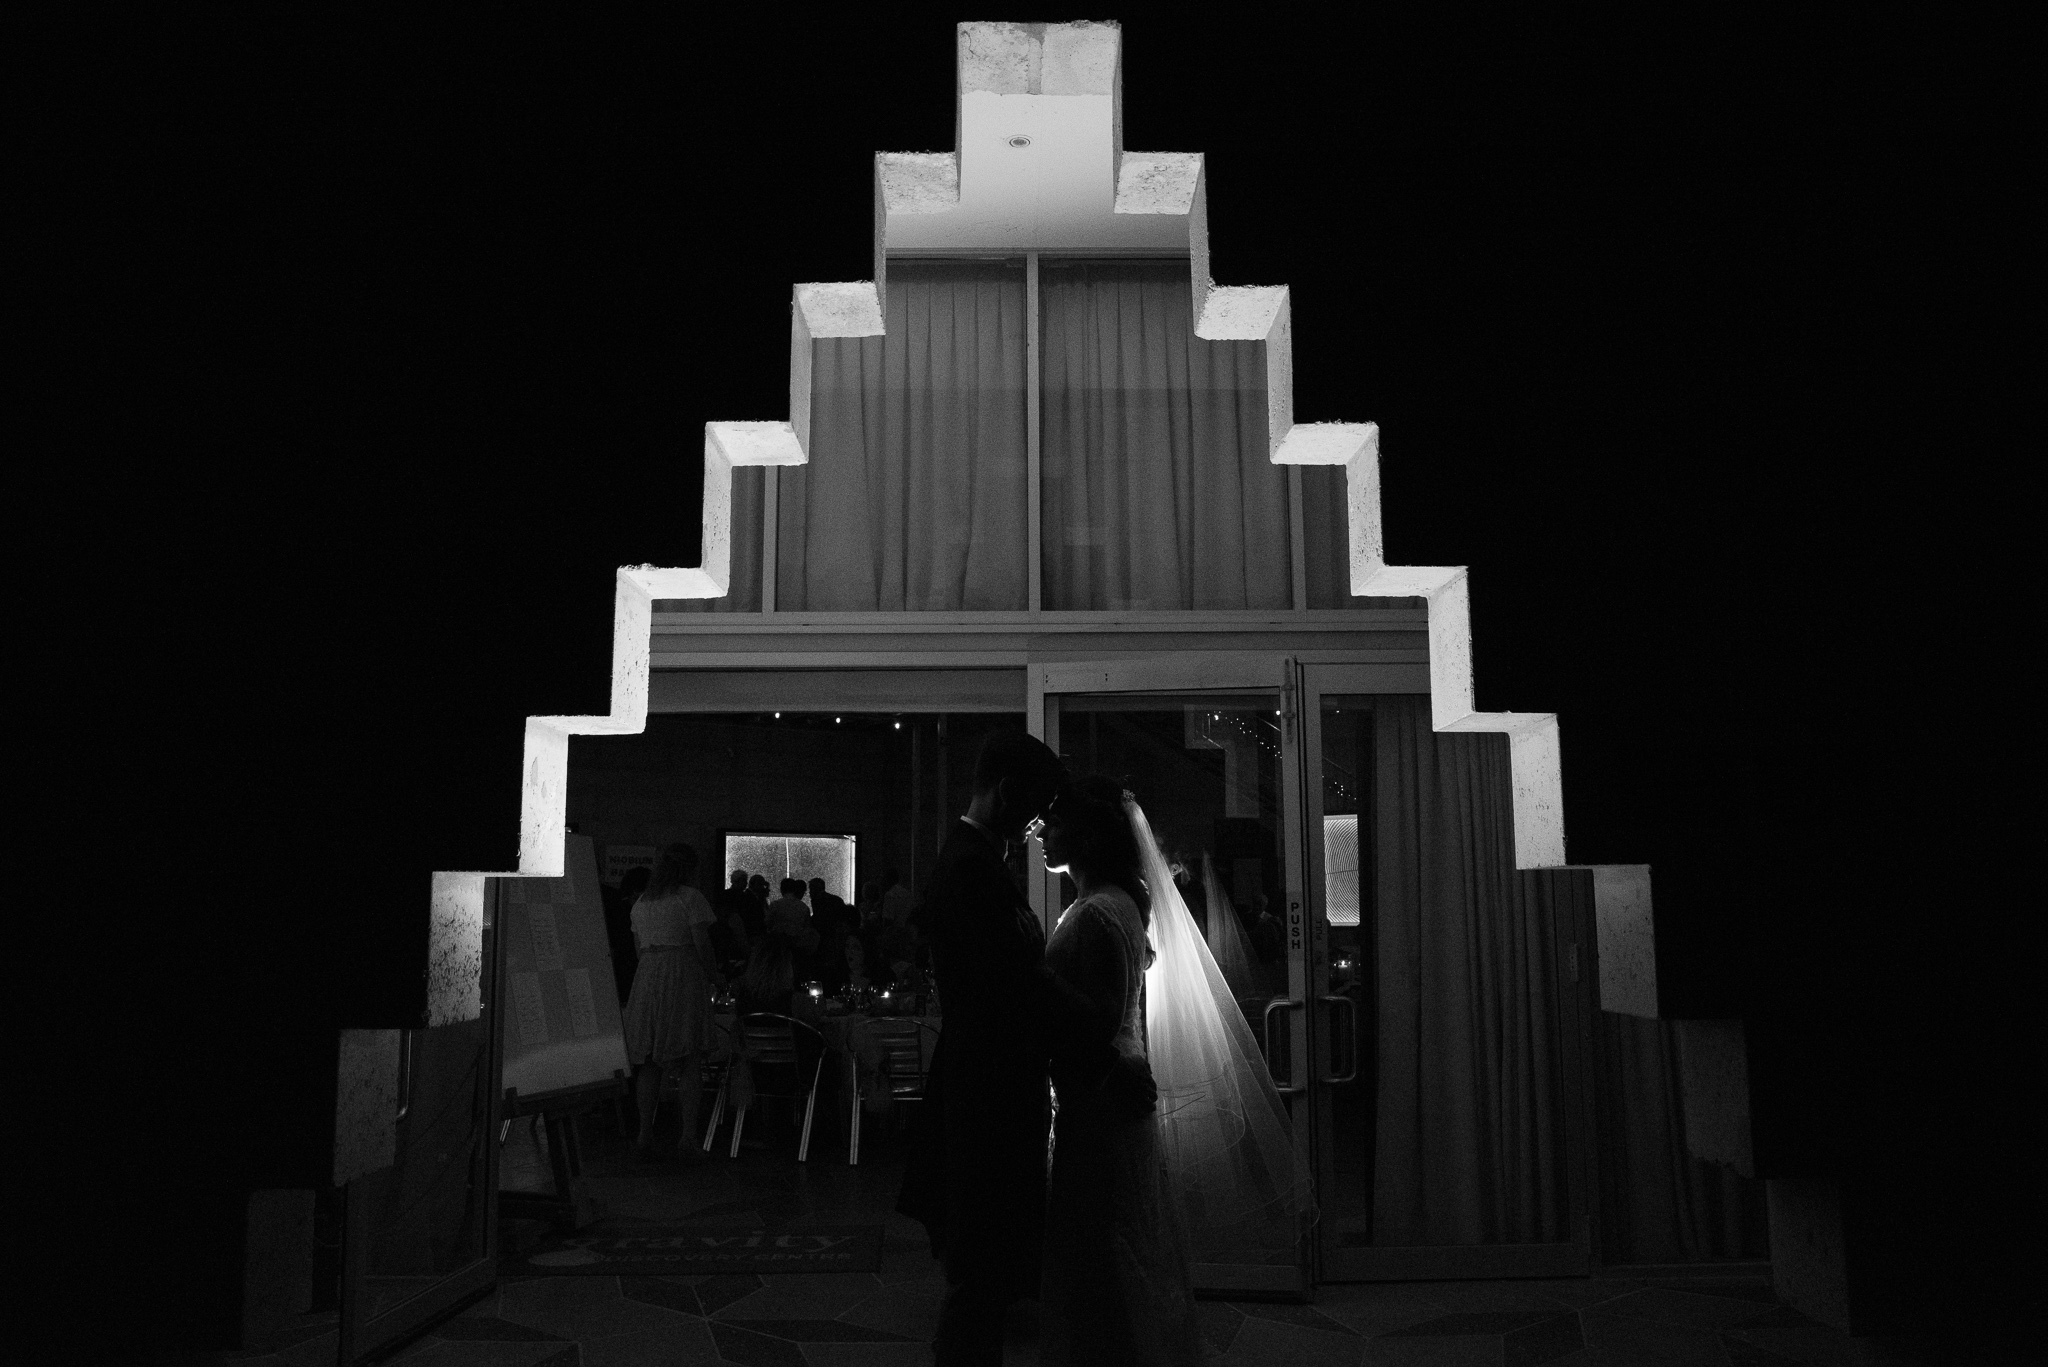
1218, 1157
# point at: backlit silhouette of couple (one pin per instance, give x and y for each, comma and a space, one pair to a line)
1165, 1117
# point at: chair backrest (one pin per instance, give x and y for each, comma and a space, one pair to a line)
771, 1039
906, 1053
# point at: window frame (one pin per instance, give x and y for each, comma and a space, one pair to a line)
1033, 422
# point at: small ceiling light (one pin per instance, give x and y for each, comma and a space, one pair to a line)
899, 726
778, 716
837, 720
1020, 140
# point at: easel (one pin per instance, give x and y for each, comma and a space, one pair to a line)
568, 1207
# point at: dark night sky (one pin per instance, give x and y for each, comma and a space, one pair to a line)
359, 353
1631, 294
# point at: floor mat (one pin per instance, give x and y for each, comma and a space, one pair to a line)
673, 1250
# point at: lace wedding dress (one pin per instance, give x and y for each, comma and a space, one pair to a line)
1115, 1288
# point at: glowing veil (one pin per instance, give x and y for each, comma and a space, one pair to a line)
1227, 942
1228, 1140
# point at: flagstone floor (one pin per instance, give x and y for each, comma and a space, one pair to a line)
883, 1319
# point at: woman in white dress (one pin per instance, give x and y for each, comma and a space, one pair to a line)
1217, 1163
1116, 1281
668, 1016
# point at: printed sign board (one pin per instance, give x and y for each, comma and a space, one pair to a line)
563, 1027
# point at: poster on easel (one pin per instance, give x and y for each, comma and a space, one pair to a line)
563, 1029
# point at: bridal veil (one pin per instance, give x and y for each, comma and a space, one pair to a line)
1227, 1137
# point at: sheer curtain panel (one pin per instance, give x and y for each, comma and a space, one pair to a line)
1470, 1133
914, 497
1159, 491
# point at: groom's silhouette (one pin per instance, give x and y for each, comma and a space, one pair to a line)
976, 1176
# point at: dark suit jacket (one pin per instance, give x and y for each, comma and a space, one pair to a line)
976, 1175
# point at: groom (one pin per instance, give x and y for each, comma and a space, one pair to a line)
976, 1176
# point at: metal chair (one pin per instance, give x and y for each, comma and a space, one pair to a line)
771, 1041
906, 1063
722, 1069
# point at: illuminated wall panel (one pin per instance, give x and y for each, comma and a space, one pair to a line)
776, 856
1340, 869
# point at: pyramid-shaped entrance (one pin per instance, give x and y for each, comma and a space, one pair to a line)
1043, 471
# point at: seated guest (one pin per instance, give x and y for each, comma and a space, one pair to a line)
857, 964
769, 979
787, 917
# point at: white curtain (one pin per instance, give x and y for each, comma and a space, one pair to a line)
914, 497
1158, 487
1469, 1141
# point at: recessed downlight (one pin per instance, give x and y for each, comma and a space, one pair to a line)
1020, 140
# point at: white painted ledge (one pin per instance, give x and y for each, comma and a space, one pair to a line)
1241, 313
851, 309
917, 182
1157, 182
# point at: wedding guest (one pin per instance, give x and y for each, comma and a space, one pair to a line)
735, 901
787, 916
828, 912
757, 892
730, 941
1186, 870
1268, 936
731, 935
668, 1023
869, 903
857, 965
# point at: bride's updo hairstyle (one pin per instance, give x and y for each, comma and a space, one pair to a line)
1099, 837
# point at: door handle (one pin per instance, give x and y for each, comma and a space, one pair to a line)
1351, 1006
405, 1038
1290, 1087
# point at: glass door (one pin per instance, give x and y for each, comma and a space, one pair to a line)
1209, 745
1449, 1026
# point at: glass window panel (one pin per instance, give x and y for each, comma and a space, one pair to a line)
1158, 489
777, 856
1454, 1131
914, 495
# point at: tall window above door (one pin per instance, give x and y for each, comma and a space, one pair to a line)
915, 497
1158, 492
1034, 433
